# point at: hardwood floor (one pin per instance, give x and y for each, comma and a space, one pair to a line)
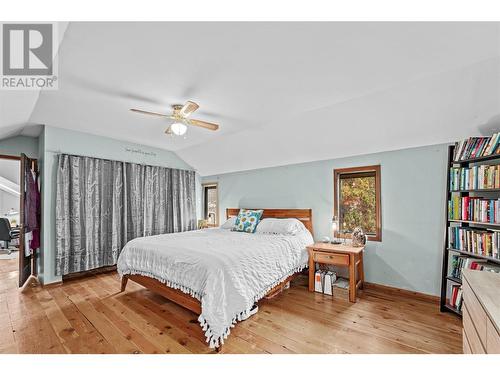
89, 315
9, 269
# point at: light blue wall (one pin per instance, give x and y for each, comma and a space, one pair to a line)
413, 206
16, 145
57, 140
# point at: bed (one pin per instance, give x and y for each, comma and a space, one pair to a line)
218, 274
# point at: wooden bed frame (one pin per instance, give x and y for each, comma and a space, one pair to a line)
194, 305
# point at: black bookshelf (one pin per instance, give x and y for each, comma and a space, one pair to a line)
474, 160
446, 279
456, 280
479, 256
450, 308
475, 223
475, 191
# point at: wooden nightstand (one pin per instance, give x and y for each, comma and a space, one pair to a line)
338, 255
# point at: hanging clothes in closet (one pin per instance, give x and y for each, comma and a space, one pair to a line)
32, 211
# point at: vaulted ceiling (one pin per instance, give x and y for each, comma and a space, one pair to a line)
282, 92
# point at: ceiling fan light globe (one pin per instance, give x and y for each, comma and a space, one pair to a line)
178, 128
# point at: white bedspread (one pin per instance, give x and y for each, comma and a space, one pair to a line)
227, 271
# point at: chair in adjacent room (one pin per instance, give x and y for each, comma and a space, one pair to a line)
7, 234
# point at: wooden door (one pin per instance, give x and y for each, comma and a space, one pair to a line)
26, 261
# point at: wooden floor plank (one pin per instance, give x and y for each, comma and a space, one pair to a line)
289, 338
91, 340
134, 325
261, 342
90, 315
7, 340
129, 330
353, 338
31, 328
420, 339
62, 327
178, 326
101, 323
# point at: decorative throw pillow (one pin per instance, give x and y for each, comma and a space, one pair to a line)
247, 220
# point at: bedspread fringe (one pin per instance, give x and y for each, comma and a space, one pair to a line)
168, 283
216, 341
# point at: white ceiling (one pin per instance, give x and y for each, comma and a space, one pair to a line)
290, 92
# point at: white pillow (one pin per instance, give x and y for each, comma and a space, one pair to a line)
229, 224
280, 226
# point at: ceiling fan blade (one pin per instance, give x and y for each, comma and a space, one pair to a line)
149, 113
203, 124
188, 108
168, 131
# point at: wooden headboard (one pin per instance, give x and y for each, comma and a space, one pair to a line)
302, 214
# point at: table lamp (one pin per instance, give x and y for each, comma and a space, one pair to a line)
335, 228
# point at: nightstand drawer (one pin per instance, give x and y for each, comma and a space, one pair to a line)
337, 259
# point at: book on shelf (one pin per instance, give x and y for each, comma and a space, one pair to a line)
477, 209
483, 242
461, 262
456, 297
476, 147
475, 178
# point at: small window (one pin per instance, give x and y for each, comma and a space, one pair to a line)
357, 201
211, 205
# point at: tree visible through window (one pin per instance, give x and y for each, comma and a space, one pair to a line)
357, 200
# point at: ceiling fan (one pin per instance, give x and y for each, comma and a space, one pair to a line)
180, 116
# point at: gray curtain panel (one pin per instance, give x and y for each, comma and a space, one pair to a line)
103, 204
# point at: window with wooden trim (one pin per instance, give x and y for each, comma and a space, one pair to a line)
357, 201
211, 204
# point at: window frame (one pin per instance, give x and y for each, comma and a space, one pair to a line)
358, 172
205, 188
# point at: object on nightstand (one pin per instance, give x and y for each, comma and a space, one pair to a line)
323, 281
335, 228
329, 278
358, 237
202, 224
318, 276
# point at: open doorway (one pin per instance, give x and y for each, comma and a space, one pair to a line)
19, 220
10, 205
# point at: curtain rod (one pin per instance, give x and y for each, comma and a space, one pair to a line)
59, 152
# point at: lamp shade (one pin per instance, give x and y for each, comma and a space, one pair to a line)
178, 128
335, 224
